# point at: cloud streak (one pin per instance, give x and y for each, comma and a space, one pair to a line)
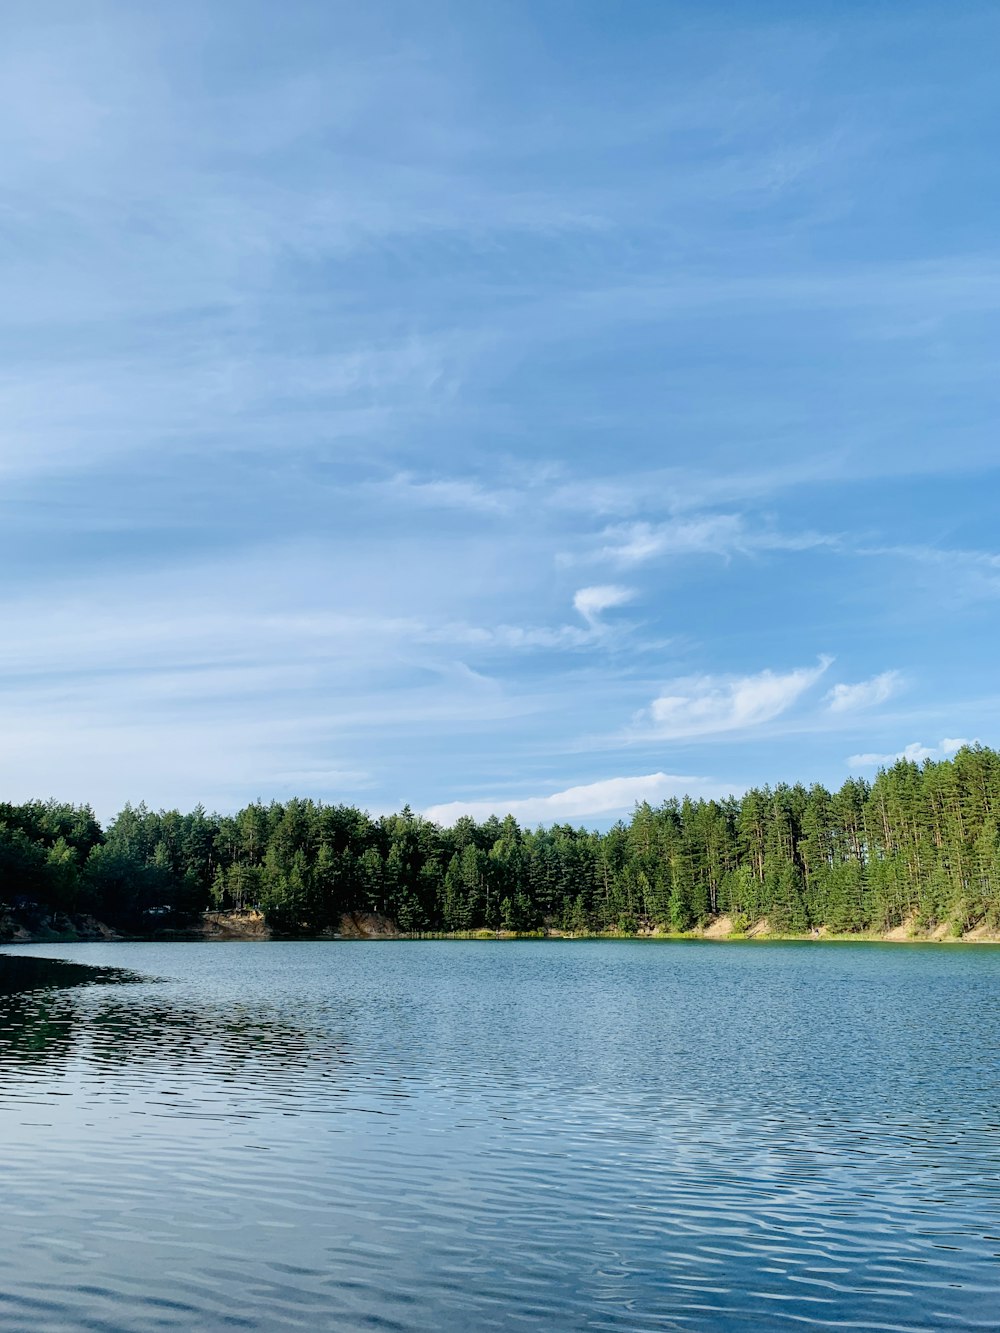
865, 693
461, 493
915, 753
710, 705
593, 602
722, 535
610, 796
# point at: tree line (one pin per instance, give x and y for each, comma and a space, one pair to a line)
920, 842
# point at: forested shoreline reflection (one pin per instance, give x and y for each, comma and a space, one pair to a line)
51, 1013
20, 975
919, 843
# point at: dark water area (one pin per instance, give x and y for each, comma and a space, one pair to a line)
20, 974
465, 1135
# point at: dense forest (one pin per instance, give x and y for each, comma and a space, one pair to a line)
918, 843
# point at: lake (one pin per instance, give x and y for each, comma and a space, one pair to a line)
478, 1135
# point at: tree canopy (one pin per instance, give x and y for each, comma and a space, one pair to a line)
919, 842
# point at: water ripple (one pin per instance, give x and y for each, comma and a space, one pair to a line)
499, 1136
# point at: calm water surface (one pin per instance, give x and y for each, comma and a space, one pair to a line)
551, 1135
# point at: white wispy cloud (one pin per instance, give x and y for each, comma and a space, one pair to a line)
705, 705
635, 543
591, 602
444, 493
241, 654
916, 752
954, 284
610, 796
304, 780
150, 683
967, 574
865, 693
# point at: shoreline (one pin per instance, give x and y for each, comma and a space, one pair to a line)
215, 927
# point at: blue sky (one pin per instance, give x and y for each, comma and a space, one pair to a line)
526, 406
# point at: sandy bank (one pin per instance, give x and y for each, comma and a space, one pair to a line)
252, 925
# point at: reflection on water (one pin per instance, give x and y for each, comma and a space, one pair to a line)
490, 1136
21, 974
37, 1014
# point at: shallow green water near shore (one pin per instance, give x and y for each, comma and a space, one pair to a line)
468, 1135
